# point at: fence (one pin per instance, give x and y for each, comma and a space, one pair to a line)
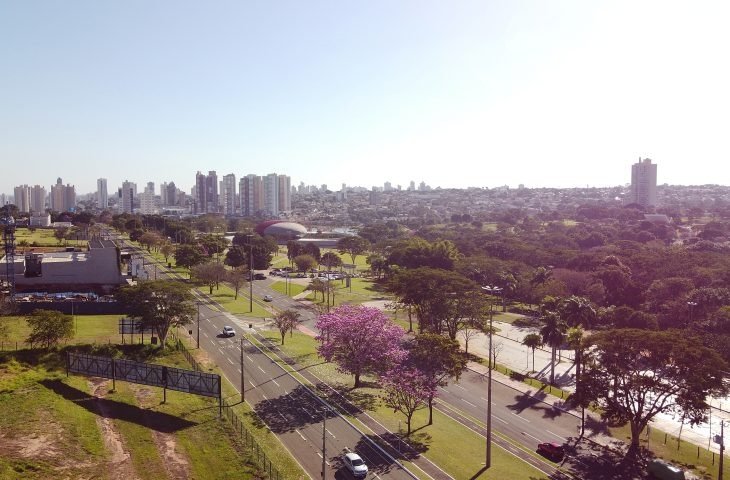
248, 439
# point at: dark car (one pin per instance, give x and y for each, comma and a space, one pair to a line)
259, 276
551, 450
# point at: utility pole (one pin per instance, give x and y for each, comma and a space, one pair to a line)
324, 445
243, 384
492, 291
250, 272
722, 447
198, 341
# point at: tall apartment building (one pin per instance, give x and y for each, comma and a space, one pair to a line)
206, 192
102, 194
285, 193
643, 183
171, 195
21, 195
251, 194
63, 197
271, 194
126, 194
147, 202
37, 199
228, 194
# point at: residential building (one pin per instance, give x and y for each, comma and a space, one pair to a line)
643, 183
251, 194
228, 194
271, 195
126, 194
147, 202
102, 194
63, 197
37, 199
206, 192
285, 193
22, 198
171, 197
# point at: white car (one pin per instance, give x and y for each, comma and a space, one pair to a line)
355, 465
228, 331
268, 298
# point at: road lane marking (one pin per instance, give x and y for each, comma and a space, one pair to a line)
221, 350
259, 367
208, 320
239, 370
527, 434
524, 419
553, 433
459, 386
230, 361
333, 436
500, 419
275, 382
300, 434
252, 384
468, 402
264, 395
205, 335
249, 358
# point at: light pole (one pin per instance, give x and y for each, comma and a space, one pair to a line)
249, 238
198, 341
243, 384
722, 447
491, 290
324, 444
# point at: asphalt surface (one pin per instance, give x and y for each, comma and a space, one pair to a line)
295, 413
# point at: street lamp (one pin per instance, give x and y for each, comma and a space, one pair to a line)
249, 239
491, 290
198, 341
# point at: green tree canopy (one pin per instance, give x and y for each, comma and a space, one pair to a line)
48, 327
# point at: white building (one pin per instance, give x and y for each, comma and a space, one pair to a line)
102, 194
643, 183
147, 204
228, 194
127, 196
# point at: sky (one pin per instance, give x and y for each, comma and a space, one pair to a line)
452, 93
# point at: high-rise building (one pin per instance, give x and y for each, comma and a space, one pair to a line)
127, 197
37, 199
171, 197
271, 194
147, 202
206, 192
285, 193
228, 194
21, 196
63, 197
643, 183
251, 194
102, 194
150, 187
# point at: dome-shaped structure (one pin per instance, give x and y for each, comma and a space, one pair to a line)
281, 229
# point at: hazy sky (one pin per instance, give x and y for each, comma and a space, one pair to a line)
454, 93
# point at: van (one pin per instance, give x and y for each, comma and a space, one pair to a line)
664, 471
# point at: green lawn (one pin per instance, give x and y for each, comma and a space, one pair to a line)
294, 288
225, 296
92, 329
440, 440
43, 237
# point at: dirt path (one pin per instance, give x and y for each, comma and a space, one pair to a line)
119, 465
176, 463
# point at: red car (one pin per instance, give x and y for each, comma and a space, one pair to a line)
552, 450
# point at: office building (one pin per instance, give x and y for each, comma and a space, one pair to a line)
251, 194
21, 195
271, 194
284, 193
643, 183
102, 194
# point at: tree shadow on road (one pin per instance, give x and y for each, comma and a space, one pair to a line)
358, 400
290, 411
588, 459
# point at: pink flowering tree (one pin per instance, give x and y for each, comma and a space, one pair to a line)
360, 340
407, 390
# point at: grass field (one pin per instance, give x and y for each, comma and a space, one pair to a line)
74, 427
225, 296
43, 237
439, 440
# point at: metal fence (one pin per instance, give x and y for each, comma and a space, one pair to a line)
249, 441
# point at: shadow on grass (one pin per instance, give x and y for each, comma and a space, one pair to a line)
159, 421
587, 459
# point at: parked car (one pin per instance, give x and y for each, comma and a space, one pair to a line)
259, 276
268, 298
355, 465
664, 471
551, 450
228, 331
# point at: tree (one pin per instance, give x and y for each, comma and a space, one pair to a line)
439, 359
360, 340
553, 334
313, 250
237, 278
640, 374
48, 327
209, 274
167, 249
407, 390
213, 244
286, 321
330, 260
188, 255
305, 262
262, 248
352, 246
532, 341
317, 285
160, 304
293, 250
236, 257
60, 234
150, 240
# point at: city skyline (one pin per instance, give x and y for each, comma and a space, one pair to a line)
565, 94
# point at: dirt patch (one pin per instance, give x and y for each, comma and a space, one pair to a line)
177, 464
119, 464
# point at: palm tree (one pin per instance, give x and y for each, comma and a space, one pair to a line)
580, 314
553, 334
533, 341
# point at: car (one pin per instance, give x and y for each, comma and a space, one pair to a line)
355, 465
228, 331
268, 298
259, 276
552, 450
